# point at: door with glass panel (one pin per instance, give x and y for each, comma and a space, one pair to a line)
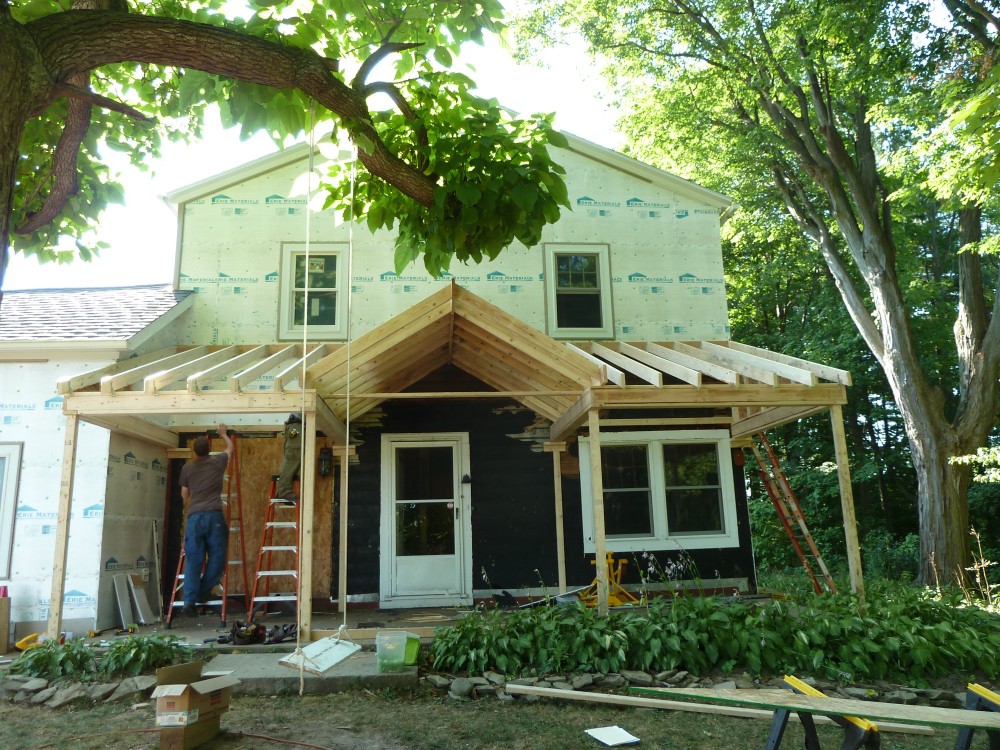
426, 520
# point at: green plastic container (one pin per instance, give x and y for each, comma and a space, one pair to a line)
395, 650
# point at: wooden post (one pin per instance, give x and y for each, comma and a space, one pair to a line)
556, 450
847, 502
345, 454
306, 519
597, 493
62, 526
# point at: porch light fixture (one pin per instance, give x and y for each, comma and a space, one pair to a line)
325, 468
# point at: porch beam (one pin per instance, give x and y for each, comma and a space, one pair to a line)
770, 418
154, 382
136, 428
294, 370
608, 371
233, 365
644, 372
701, 365
847, 503
827, 373
742, 367
72, 383
572, 418
182, 402
328, 421
667, 421
689, 375
308, 492
685, 396
597, 505
70, 439
782, 369
556, 450
243, 379
120, 380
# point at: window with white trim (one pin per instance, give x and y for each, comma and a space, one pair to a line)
578, 291
313, 290
661, 488
10, 468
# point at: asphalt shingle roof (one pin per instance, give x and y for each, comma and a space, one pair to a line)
99, 314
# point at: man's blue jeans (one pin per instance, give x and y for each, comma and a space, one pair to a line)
207, 533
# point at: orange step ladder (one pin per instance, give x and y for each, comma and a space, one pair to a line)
232, 501
280, 537
791, 516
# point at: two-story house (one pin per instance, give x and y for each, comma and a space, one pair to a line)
497, 428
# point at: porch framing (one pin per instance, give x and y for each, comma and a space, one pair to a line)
159, 396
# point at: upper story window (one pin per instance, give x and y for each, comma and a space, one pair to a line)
10, 467
662, 488
578, 291
313, 290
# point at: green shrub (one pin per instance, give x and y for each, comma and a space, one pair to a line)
904, 634
888, 557
136, 654
52, 660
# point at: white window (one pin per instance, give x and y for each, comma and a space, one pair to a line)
661, 490
313, 290
10, 467
578, 291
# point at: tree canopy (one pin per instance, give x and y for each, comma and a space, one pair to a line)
870, 125
457, 175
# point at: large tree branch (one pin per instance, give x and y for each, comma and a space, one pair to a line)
78, 41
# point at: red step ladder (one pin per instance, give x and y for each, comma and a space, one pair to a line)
232, 501
279, 538
791, 516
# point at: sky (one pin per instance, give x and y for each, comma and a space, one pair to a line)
142, 233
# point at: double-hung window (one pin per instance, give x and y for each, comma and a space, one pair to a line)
661, 488
10, 468
578, 291
313, 290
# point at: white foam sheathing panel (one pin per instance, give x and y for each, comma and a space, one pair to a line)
136, 496
665, 259
31, 414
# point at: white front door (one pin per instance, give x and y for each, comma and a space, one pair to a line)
426, 555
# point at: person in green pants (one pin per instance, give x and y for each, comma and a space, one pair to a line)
291, 460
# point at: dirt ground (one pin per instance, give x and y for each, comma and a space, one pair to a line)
420, 720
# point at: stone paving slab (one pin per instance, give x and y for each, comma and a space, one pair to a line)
262, 674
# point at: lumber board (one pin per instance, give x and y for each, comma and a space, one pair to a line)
764, 375
247, 376
690, 375
824, 371
645, 372
781, 369
689, 397
572, 418
695, 363
767, 419
155, 381
689, 707
237, 363
611, 373
125, 378
776, 699
293, 371
93, 377
475, 347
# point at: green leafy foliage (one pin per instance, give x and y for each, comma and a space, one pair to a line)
52, 660
131, 655
391, 63
496, 180
903, 634
136, 654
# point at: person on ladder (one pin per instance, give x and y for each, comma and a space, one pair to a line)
290, 460
206, 537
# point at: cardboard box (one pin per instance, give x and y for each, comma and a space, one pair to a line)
189, 707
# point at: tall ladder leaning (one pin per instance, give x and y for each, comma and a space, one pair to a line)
232, 501
286, 546
790, 514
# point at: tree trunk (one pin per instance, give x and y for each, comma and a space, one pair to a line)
22, 83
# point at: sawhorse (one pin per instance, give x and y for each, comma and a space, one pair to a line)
978, 698
858, 733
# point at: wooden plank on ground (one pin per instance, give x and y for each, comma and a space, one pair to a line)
785, 699
687, 706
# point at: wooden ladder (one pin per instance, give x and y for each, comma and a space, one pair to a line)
287, 545
790, 514
232, 501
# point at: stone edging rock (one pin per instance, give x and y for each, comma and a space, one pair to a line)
38, 691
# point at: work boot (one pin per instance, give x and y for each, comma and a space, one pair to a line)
189, 611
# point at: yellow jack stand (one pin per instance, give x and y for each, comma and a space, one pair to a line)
617, 595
